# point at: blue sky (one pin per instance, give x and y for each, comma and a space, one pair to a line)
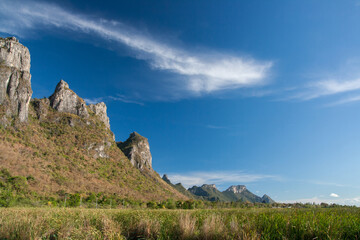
261, 93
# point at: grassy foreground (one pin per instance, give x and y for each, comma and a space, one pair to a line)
68, 223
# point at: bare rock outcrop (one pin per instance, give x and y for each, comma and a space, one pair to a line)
66, 100
100, 110
99, 149
15, 78
137, 149
41, 107
236, 189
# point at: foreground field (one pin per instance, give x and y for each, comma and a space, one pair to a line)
67, 223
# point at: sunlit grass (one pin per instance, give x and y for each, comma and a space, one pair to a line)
75, 223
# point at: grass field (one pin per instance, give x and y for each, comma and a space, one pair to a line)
76, 223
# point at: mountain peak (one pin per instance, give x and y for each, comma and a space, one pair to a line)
62, 85
137, 149
66, 100
166, 179
209, 186
236, 188
267, 199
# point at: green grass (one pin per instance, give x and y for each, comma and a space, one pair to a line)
75, 223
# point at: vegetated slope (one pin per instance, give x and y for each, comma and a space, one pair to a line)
209, 192
61, 152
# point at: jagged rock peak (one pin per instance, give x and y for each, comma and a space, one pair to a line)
236, 188
209, 186
66, 100
15, 79
267, 199
137, 150
100, 110
166, 179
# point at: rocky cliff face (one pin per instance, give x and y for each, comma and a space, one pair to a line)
137, 149
65, 100
236, 189
100, 110
15, 79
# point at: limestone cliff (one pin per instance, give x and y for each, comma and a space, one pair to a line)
100, 110
137, 149
15, 79
236, 189
66, 100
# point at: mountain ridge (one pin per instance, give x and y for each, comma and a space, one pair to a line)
211, 193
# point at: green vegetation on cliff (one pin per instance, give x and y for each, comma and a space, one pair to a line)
64, 153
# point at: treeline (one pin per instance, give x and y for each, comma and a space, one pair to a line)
14, 191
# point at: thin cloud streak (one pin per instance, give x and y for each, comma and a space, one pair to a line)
346, 100
119, 97
202, 73
328, 88
218, 177
124, 99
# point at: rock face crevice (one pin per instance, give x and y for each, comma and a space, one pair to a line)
15, 78
137, 150
66, 100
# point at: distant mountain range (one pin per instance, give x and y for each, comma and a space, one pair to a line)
209, 192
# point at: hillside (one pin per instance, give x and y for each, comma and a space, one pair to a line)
232, 194
61, 145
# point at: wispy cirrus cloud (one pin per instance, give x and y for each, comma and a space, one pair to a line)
218, 177
118, 97
201, 72
328, 87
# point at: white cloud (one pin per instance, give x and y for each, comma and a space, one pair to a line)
122, 98
327, 87
93, 100
118, 97
202, 73
324, 88
217, 177
318, 200
346, 100
334, 195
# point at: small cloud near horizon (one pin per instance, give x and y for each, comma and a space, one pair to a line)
334, 195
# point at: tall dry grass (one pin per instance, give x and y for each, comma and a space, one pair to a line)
77, 223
